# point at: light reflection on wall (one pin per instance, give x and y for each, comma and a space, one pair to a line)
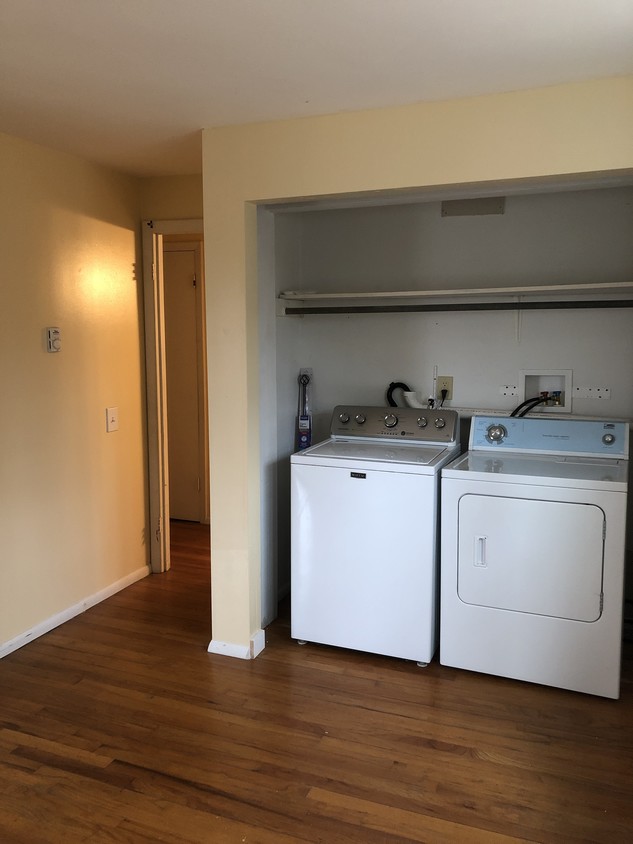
100, 286
96, 278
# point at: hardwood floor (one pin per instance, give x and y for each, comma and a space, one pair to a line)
120, 727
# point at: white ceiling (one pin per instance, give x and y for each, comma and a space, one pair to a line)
130, 83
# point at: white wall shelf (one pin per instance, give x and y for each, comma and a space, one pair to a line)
546, 296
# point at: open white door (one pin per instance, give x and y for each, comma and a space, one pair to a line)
155, 368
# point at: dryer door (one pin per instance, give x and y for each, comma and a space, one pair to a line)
531, 556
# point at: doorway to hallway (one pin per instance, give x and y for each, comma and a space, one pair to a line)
177, 243
186, 378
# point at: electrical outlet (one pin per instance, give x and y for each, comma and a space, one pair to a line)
509, 390
445, 382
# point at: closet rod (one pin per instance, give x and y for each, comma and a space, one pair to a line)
459, 306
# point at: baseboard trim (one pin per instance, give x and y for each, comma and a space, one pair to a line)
64, 616
255, 646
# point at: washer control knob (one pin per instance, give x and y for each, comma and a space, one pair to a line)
344, 418
422, 423
496, 433
608, 439
440, 422
360, 418
391, 420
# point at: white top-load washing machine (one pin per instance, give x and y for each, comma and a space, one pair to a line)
533, 540
364, 525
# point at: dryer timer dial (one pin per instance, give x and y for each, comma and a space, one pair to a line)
496, 433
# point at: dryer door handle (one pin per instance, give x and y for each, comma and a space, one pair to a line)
480, 555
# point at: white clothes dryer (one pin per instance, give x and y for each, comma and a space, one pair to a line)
533, 542
364, 528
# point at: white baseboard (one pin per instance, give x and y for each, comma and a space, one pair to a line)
258, 643
60, 618
255, 646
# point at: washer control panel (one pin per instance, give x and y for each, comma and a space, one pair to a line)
580, 437
396, 423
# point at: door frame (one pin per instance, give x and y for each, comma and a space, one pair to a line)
155, 384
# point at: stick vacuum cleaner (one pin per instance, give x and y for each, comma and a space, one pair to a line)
304, 418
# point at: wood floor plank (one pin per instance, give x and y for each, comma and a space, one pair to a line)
417, 827
20, 739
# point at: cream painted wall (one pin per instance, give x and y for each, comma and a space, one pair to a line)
538, 134
171, 198
72, 514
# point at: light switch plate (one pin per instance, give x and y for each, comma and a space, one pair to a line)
112, 419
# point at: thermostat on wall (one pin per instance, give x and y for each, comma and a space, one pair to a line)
53, 339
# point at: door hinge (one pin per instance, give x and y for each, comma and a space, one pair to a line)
159, 530
195, 281
198, 479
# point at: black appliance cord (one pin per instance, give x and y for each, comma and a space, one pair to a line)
396, 385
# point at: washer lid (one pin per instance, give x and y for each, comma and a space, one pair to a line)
383, 452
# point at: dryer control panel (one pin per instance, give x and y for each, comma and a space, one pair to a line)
579, 437
395, 423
